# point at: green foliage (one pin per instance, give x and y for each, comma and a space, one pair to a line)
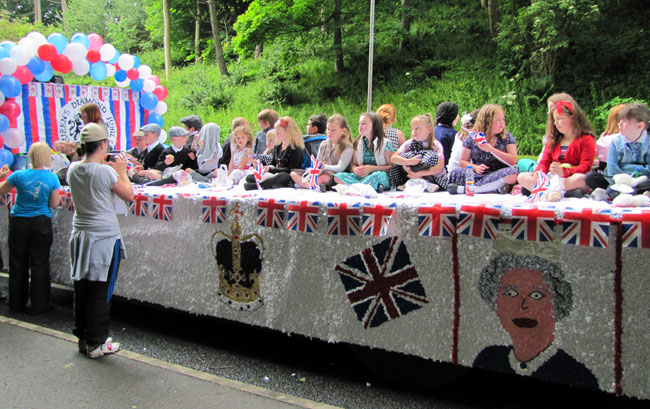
601, 113
13, 29
23, 11
203, 87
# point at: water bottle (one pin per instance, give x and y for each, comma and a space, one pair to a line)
469, 181
637, 171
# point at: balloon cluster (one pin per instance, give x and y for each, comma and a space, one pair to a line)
38, 57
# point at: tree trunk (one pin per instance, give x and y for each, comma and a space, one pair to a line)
493, 13
167, 37
406, 24
338, 37
484, 3
258, 50
38, 16
64, 12
217, 41
197, 32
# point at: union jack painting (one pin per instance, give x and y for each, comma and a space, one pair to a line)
303, 216
437, 220
213, 209
376, 218
479, 221
343, 219
586, 227
139, 206
532, 224
381, 283
270, 213
636, 229
161, 207
541, 186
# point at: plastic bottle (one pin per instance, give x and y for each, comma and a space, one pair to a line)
469, 181
637, 171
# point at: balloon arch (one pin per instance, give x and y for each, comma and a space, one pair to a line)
38, 58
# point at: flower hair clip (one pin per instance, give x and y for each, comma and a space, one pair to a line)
284, 123
466, 119
566, 104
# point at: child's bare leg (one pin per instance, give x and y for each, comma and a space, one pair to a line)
527, 180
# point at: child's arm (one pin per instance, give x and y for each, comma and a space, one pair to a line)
587, 155
397, 159
344, 162
613, 167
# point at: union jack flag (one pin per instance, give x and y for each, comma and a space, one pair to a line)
532, 224
213, 209
312, 173
161, 207
260, 171
480, 221
343, 219
68, 204
437, 220
9, 199
139, 206
381, 283
636, 229
303, 216
376, 218
541, 186
270, 213
479, 137
588, 227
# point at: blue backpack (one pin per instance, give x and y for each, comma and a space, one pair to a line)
311, 148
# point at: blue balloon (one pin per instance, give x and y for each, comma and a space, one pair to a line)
10, 86
7, 46
59, 41
98, 71
4, 123
136, 61
156, 119
47, 74
35, 65
6, 157
4, 53
82, 39
115, 58
149, 100
120, 75
136, 85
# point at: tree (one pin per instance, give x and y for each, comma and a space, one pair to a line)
35, 10
167, 37
217, 40
38, 17
197, 31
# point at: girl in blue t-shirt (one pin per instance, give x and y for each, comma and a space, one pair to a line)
30, 230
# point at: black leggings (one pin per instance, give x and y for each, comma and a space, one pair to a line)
279, 180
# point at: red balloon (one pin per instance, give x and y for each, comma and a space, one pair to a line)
155, 79
160, 91
93, 56
23, 74
133, 74
2, 141
47, 52
10, 109
62, 64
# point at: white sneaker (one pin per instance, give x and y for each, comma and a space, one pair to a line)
108, 347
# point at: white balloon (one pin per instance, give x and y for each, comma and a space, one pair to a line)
2, 98
148, 86
20, 54
29, 44
81, 67
110, 70
126, 61
8, 66
107, 52
161, 108
163, 136
145, 71
38, 38
123, 84
75, 51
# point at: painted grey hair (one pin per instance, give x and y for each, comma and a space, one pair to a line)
490, 278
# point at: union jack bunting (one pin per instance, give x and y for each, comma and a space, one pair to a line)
270, 213
479, 221
213, 209
343, 219
311, 173
586, 227
532, 224
376, 218
541, 186
303, 216
437, 220
636, 228
260, 171
161, 207
479, 137
381, 283
139, 206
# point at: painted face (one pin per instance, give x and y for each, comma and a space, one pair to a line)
365, 126
631, 128
241, 140
498, 122
525, 307
334, 132
281, 133
420, 132
563, 122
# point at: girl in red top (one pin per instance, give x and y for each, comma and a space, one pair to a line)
570, 150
